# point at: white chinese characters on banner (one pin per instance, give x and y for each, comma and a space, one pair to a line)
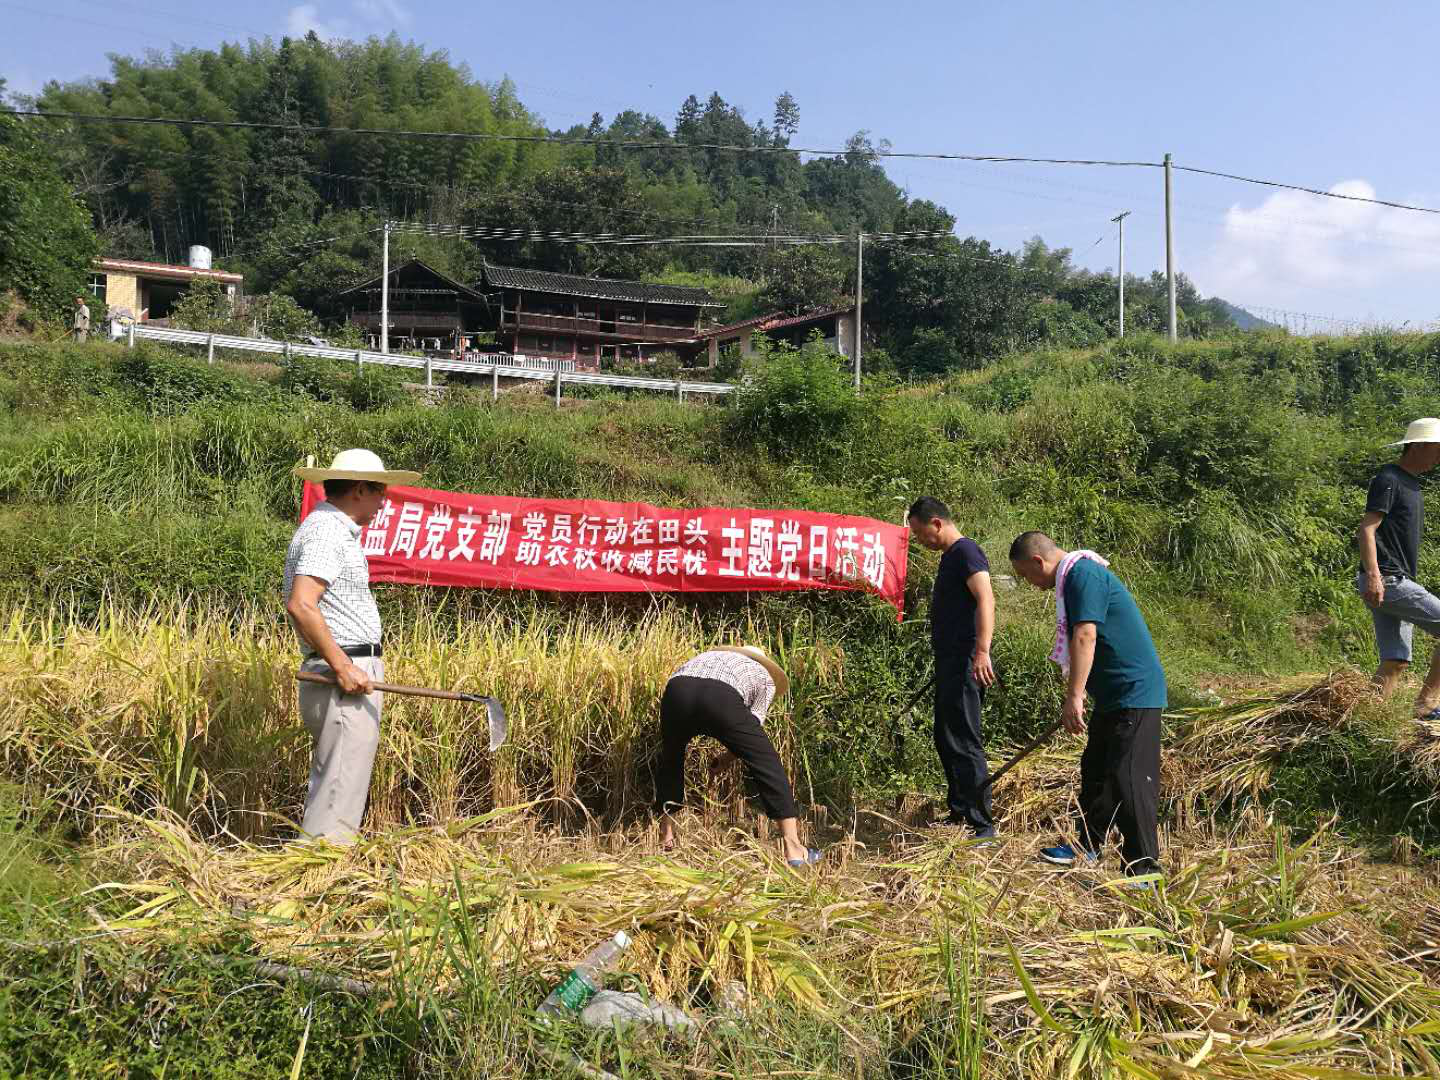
407, 530
764, 548
437, 528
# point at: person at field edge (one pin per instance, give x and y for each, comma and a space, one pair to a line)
725, 693
962, 625
1389, 543
327, 596
80, 325
1104, 647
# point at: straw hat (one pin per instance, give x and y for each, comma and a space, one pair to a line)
1426, 429
357, 465
754, 652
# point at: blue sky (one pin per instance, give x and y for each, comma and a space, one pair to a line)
1320, 93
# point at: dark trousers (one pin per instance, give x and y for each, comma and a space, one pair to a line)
1120, 785
691, 707
958, 699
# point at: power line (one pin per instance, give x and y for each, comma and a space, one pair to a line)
476, 136
1307, 190
508, 232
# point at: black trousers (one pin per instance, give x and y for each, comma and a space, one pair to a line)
1120, 785
958, 741
691, 707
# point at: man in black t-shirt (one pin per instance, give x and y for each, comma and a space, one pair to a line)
1389, 542
962, 623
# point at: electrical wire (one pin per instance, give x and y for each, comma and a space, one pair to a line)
1308, 190
474, 136
477, 136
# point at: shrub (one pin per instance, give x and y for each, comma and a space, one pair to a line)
313, 377
800, 404
375, 388
166, 383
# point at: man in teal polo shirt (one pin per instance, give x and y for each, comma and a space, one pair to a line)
1104, 647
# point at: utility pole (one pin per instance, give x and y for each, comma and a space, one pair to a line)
1170, 249
385, 291
1119, 219
859, 285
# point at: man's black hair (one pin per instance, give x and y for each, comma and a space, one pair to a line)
927, 508
338, 489
1029, 544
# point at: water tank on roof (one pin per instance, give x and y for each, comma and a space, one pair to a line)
199, 257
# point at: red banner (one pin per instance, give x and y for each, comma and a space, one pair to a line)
426, 537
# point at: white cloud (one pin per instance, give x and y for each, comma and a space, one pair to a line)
1293, 244
392, 11
306, 17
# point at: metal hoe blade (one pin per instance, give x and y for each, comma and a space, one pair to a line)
499, 725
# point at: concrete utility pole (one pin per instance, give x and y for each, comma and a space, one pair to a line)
1170, 249
385, 291
1119, 219
859, 286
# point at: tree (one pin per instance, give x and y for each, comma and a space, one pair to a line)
787, 119
803, 279
46, 240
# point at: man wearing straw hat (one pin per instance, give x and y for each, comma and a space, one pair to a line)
1389, 542
725, 693
327, 596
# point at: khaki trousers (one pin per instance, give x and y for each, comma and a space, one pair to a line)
345, 732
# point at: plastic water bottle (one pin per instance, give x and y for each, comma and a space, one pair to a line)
577, 988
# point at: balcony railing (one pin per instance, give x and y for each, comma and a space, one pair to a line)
616, 328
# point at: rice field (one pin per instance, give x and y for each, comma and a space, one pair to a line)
170, 738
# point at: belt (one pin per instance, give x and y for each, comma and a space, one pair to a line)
353, 651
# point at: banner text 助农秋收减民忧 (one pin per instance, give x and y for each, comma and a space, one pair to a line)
426, 537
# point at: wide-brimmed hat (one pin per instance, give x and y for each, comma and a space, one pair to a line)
357, 465
754, 652
1426, 429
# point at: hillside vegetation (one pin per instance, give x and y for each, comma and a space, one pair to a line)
150, 745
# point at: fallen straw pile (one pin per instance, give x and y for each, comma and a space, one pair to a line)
1419, 747
1255, 957
1221, 755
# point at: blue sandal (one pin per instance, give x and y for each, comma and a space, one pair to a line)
812, 856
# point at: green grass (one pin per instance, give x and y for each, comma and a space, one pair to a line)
153, 498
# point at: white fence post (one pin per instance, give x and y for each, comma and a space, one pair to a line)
210, 350
495, 381
287, 351
679, 390
429, 380
130, 334
359, 360
557, 388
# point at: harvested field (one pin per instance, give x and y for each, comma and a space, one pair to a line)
1255, 956
172, 740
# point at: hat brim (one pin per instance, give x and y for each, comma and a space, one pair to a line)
782, 681
317, 475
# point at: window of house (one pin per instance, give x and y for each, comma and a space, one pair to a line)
97, 286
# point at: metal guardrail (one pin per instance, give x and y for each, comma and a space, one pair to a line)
496, 365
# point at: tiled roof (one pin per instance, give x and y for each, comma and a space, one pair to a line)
511, 277
775, 321
449, 282
135, 266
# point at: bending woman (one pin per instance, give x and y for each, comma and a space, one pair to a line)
725, 693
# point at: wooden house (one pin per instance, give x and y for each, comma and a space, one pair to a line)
592, 320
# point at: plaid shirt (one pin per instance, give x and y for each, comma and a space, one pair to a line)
327, 546
747, 676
